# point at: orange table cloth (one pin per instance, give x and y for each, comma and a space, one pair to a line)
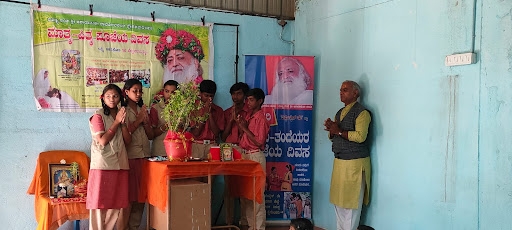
50, 216
247, 178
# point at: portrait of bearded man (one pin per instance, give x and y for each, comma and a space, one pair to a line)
292, 82
180, 53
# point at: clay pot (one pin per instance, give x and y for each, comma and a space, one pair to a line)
178, 146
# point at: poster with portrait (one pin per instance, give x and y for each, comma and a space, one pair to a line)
288, 82
76, 54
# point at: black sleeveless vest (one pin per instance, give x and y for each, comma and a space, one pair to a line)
344, 149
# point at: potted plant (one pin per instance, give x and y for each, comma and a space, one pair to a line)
183, 110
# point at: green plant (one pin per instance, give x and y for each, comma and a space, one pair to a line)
183, 108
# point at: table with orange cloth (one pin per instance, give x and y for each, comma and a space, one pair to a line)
50, 216
246, 177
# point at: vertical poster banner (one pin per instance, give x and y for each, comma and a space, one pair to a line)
75, 55
288, 83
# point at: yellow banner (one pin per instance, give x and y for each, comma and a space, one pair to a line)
75, 55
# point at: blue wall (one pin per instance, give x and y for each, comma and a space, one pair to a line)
441, 150
24, 132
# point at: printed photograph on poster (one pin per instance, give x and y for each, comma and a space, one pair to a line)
180, 53
51, 100
144, 76
41, 83
96, 76
297, 205
290, 80
117, 76
71, 61
279, 176
46, 96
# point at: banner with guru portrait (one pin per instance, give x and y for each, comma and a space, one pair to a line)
288, 82
76, 54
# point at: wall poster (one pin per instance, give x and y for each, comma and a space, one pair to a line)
75, 55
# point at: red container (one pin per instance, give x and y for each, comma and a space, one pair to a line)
178, 150
178, 146
236, 154
215, 153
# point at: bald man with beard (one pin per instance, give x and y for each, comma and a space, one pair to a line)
292, 82
181, 66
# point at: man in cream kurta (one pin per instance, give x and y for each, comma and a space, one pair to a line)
350, 180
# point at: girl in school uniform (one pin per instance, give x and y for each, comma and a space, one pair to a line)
107, 189
137, 120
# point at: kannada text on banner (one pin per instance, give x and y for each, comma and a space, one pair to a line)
76, 55
288, 83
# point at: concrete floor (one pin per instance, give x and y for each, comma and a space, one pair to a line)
84, 225
286, 228
279, 228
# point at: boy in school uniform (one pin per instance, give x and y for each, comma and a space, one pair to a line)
231, 134
255, 131
206, 134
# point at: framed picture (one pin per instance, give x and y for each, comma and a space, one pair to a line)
61, 180
226, 151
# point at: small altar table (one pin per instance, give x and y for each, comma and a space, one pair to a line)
247, 178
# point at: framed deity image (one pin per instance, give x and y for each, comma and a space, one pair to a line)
226, 152
61, 180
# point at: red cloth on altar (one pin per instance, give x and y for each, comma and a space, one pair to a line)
247, 178
49, 216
